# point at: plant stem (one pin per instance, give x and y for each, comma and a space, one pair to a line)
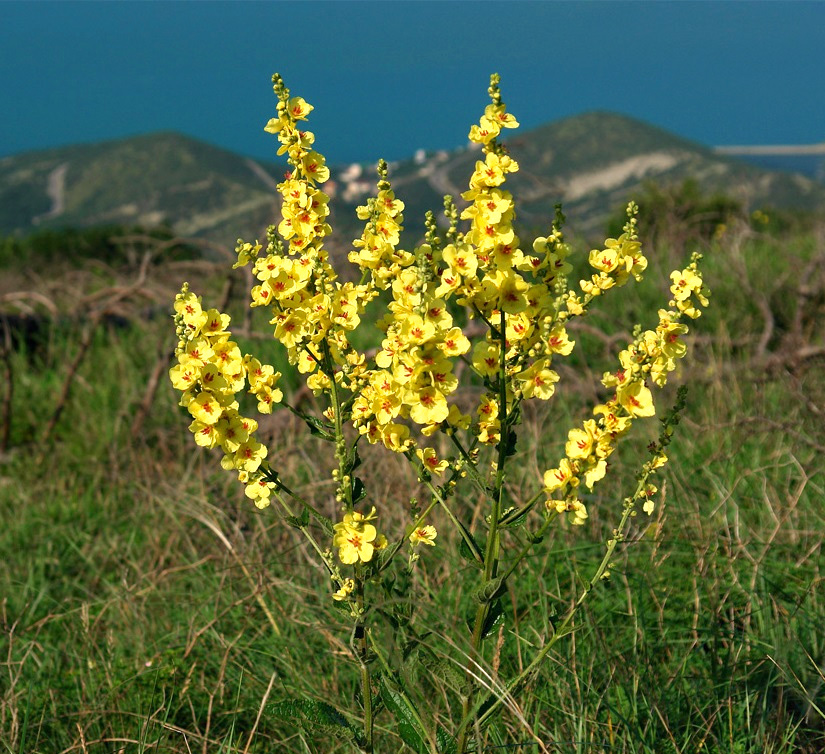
360, 635
305, 532
563, 628
411, 708
529, 545
491, 554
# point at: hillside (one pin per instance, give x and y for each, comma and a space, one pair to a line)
593, 163
199, 189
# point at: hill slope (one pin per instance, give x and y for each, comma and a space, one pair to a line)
593, 163
199, 189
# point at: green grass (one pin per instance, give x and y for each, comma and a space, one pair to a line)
147, 606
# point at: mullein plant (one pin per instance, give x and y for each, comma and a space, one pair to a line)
521, 299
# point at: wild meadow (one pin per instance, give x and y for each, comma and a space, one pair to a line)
148, 605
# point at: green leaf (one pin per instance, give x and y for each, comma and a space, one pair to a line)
512, 440
353, 460
359, 491
396, 704
469, 548
516, 517
445, 671
488, 591
315, 716
494, 618
319, 428
326, 525
445, 742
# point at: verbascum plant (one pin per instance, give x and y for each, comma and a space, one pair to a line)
521, 299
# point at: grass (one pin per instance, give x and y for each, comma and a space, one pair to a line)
147, 606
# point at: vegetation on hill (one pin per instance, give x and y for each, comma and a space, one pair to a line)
592, 163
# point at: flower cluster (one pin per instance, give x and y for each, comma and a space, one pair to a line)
688, 289
620, 259
377, 252
466, 301
310, 308
651, 356
210, 372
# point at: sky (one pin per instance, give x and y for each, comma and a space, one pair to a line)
390, 77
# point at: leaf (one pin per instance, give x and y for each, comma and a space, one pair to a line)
512, 440
359, 491
516, 517
469, 548
490, 590
445, 742
353, 460
319, 428
446, 672
315, 716
326, 525
494, 618
397, 706
294, 522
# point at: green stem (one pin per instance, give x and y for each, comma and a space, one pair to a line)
411, 708
393, 551
529, 545
305, 532
362, 652
491, 554
440, 498
314, 512
563, 628
471, 465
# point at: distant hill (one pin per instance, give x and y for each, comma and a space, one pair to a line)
593, 163
199, 189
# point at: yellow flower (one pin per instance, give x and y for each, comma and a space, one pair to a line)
430, 460
424, 535
197, 354
183, 376
558, 341
685, 282
429, 406
580, 441
259, 492
297, 108
538, 381
205, 408
234, 430
314, 167
396, 437
455, 343
345, 590
354, 543
497, 114
595, 473
206, 435
555, 479
249, 455
636, 399
486, 358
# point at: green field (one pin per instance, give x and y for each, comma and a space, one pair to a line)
147, 606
